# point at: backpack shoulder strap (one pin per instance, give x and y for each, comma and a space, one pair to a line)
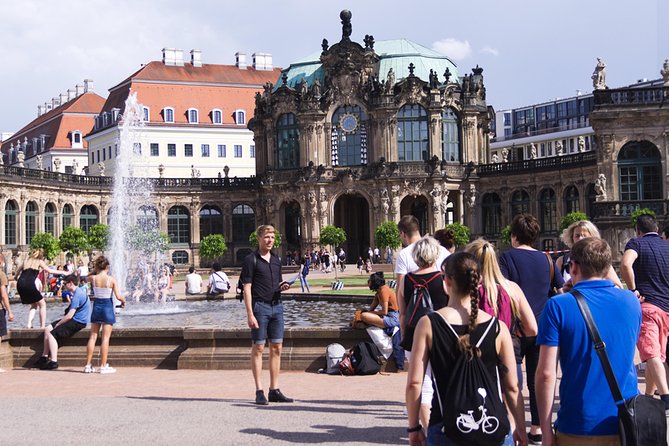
551, 265
493, 322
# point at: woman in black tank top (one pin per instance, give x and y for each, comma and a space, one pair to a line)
462, 277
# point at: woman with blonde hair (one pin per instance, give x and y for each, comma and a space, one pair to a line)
102, 316
27, 285
575, 232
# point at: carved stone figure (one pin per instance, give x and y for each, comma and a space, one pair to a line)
161, 170
599, 75
390, 81
495, 158
395, 206
558, 148
304, 88
316, 89
471, 196
38, 160
665, 72
75, 167
346, 28
581, 144
323, 202
434, 80
20, 157
194, 173
312, 203
600, 187
101, 167
269, 206
505, 155
56, 165
533, 151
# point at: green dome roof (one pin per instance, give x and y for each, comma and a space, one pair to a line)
396, 54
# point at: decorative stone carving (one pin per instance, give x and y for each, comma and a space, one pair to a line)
56, 164
599, 75
395, 206
471, 196
533, 151
75, 167
665, 72
581, 144
316, 89
313, 209
558, 148
101, 167
505, 155
323, 201
414, 187
161, 170
444, 199
495, 158
20, 158
600, 188
194, 173
390, 81
2, 159
38, 161
435, 193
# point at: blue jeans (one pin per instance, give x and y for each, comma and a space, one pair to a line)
304, 283
270, 323
436, 437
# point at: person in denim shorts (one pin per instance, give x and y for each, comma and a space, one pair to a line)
263, 283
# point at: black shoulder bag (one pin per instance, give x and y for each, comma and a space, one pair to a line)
641, 418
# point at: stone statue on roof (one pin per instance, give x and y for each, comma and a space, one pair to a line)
346, 28
533, 151
495, 158
38, 161
558, 148
434, 79
600, 187
390, 82
581, 144
75, 167
599, 75
101, 168
316, 89
665, 72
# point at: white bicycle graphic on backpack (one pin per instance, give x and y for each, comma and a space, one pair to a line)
467, 423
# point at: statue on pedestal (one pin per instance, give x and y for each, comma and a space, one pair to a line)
75, 167
558, 148
38, 161
599, 75
600, 188
533, 151
21, 157
495, 158
581, 144
101, 167
56, 164
505, 155
665, 72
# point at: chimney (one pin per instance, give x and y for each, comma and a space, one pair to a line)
88, 85
262, 61
179, 58
70, 94
168, 56
39, 111
196, 58
63, 98
55, 102
47, 107
240, 60
79, 89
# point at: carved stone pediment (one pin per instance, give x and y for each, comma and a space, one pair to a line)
412, 91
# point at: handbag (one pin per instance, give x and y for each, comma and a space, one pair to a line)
641, 418
346, 366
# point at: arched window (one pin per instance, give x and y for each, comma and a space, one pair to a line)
520, 203
243, 223
217, 116
178, 225
168, 114
287, 142
349, 136
50, 218
211, 221
491, 207
11, 210
88, 217
571, 200
31, 221
547, 211
450, 136
640, 171
240, 117
147, 218
192, 116
68, 216
412, 138
180, 257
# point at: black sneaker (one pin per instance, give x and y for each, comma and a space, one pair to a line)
534, 438
275, 396
51, 365
41, 362
260, 398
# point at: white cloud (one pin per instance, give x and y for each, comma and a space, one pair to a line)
489, 50
453, 48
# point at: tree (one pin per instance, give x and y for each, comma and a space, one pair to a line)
98, 237
571, 218
147, 241
333, 236
638, 213
506, 235
462, 233
253, 239
213, 246
387, 235
73, 241
47, 243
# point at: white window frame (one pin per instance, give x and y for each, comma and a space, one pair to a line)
165, 110
213, 116
76, 145
197, 115
146, 114
243, 114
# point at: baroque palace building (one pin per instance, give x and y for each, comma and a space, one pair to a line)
358, 134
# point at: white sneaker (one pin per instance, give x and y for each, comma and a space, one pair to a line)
89, 369
107, 369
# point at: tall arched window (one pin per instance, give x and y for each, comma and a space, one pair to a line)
243, 223
178, 225
349, 136
520, 203
147, 218
287, 142
547, 211
68, 216
11, 210
31, 221
450, 213
450, 136
571, 203
211, 221
50, 218
491, 207
640, 171
412, 138
88, 217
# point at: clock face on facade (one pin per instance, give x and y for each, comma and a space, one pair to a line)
348, 123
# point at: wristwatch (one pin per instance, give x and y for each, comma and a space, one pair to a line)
415, 429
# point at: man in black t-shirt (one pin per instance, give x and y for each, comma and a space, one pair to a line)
262, 286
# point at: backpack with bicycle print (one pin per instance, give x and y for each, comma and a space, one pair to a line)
471, 404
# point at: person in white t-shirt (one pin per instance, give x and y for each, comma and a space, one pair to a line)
193, 282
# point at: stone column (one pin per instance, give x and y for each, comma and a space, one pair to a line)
194, 223
434, 129
3, 203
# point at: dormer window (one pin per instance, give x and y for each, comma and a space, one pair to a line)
240, 117
192, 116
76, 139
168, 114
217, 116
146, 114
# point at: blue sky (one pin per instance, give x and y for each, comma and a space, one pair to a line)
531, 51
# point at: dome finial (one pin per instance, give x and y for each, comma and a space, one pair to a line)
346, 27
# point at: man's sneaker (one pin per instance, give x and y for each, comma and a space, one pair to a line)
89, 369
275, 396
41, 362
534, 438
50, 365
260, 398
107, 369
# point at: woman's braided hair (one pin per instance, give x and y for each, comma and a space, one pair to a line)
463, 269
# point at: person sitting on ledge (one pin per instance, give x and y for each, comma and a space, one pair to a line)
218, 281
193, 282
76, 317
388, 315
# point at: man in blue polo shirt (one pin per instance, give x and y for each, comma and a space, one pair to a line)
76, 317
587, 413
645, 270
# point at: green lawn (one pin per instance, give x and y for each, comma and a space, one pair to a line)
349, 291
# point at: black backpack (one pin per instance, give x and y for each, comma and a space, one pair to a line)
418, 306
365, 358
471, 403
